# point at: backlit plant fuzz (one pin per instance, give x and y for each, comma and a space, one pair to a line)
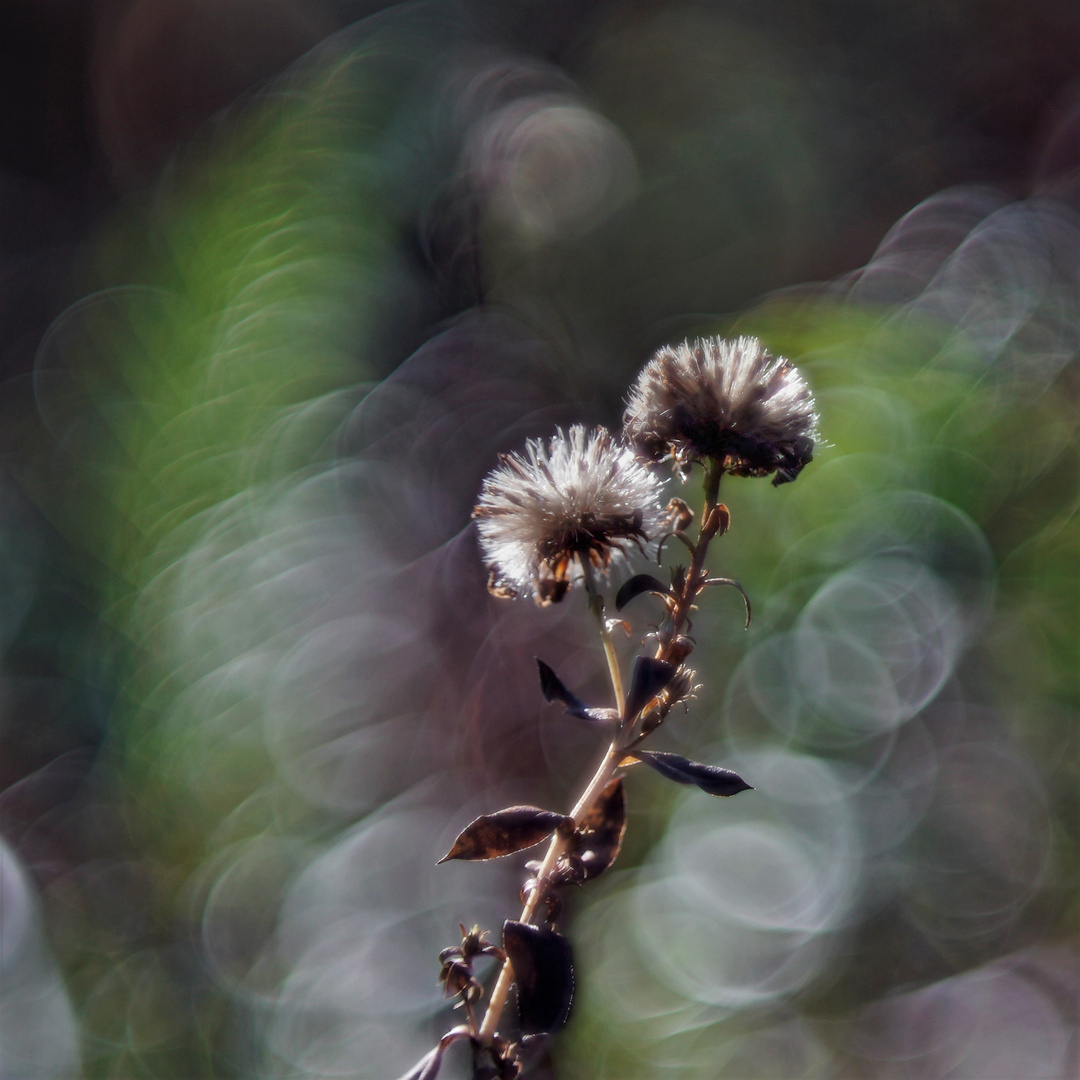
579, 496
726, 401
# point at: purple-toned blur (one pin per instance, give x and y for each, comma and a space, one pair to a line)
281, 280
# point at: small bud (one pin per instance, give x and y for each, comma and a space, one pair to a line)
679, 515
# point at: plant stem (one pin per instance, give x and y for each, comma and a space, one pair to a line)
596, 606
607, 769
558, 843
708, 528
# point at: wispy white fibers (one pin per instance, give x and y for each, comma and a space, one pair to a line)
39, 1037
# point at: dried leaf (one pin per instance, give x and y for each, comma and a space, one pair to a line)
504, 832
638, 584
553, 690
598, 838
649, 679
710, 778
544, 975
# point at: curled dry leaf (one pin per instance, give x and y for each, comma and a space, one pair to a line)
543, 973
638, 584
597, 840
679, 514
504, 832
554, 689
712, 779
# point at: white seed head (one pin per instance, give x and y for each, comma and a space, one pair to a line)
580, 495
730, 401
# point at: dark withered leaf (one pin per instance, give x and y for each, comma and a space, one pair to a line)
638, 584
554, 690
544, 975
710, 778
649, 679
598, 838
504, 832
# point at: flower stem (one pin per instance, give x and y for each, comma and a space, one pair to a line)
499, 994
606, 770
596, 606
711, 522
710, 525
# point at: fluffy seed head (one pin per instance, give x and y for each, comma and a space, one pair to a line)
580, 495
730, 401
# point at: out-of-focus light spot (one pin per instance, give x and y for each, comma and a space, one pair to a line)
876, 643
738, 912
983, 846
1001, 275
995, 1021
39, 1038
550, 167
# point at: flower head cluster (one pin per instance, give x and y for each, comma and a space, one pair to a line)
580, 496
729, 401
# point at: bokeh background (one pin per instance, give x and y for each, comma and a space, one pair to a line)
279, 280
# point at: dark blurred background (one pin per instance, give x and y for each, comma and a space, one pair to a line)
900, 100
279, 280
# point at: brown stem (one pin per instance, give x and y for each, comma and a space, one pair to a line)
695, 578
596, 605
558, 844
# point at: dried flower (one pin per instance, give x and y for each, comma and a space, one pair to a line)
582, 495
728, 401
